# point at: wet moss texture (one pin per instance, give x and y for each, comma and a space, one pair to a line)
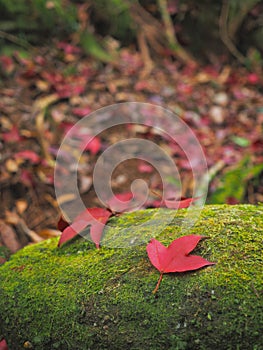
78, 297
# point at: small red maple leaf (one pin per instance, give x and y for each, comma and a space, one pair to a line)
175, 203
12, 135
175, 258
172, 203
179, 204
96, 218
28, 155
91, 144
120, 202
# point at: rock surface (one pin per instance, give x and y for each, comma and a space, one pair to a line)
78, 297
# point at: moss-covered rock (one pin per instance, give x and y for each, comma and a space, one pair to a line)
78, 297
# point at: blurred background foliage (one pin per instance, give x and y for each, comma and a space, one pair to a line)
205, 29
234, 185
189, 30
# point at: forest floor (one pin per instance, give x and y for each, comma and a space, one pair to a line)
46, 93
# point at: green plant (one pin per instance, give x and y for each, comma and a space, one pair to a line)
28, 20
233, 184
4, 252
113, 17
40, 13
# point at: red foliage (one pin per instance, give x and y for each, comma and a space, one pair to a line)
81, 112
3, 345
28, 155
253, 78
120, 202
179, 204
12, 135
145, 168
87, 142
26, 178
173, 203
96, 218
62, 224
175, 258
91, 144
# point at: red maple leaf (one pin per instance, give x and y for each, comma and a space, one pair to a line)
3, 345
12, 135
175, 258
29, 155
96, 218
81, 111
62, 224
91, 144
120, 202
179, 204
174, 203
87, 142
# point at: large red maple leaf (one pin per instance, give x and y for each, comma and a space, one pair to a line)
175, 258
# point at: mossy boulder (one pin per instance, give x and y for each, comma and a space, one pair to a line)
78, 297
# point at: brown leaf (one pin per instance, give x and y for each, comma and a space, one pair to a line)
11, 166
68, 197
21, 226
48, 233
8, 237
21, 205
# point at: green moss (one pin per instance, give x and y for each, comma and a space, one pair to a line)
77, 297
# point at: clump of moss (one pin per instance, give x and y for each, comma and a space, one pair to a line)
77, 297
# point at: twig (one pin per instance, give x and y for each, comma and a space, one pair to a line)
216, 168
39, 109
151, 27
15, 40
22, 227
210, 174
14, 219
171, 35
254, 289
223, 31
156, 194
237, 20
148, 63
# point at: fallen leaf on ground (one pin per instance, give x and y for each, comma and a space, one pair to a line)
12, 136
120, 202
68, 197
8, 237
28, 155
174, 203
145, 168
91, 144
3, 345
179, 204
11, 166
21, 206
175, 258
21, 227
62, 224
81, 111
96, 218
48, 233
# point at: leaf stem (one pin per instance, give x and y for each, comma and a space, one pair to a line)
156, 193
158, 283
